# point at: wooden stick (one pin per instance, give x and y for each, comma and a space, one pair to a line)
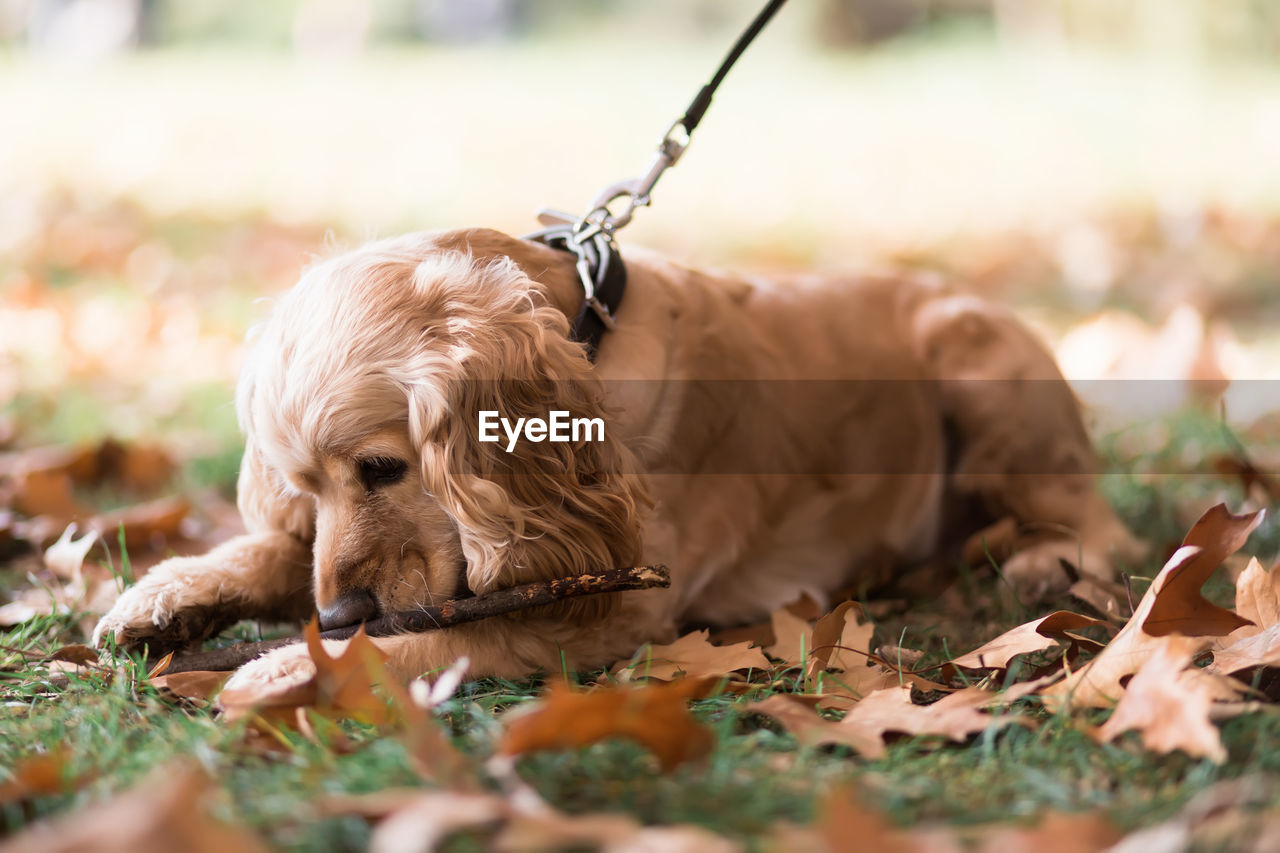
446, 615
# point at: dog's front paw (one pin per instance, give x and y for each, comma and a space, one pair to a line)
165, 611
276, 671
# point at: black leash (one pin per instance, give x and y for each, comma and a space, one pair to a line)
591, 237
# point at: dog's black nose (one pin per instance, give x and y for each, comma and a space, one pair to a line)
350, 609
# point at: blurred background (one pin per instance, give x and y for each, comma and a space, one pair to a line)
1111, 169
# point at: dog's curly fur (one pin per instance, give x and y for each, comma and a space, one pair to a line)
364, 487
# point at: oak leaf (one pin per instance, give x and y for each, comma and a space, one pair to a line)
1250, 646
1169, 703
693, 656
791, 638
955, 716
1172, 604
1178, 606
839, 641
885, 712
1035, 636
810, 729
657, 716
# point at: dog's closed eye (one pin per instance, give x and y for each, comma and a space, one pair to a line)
379, 471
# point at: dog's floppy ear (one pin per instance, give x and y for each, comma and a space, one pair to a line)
543, 509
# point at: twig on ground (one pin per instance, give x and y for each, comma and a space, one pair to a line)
446, 615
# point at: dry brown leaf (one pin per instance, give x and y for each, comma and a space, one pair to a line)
163, 813
1178, 607
342, 687
145, 525
956, 716
1250, 646
375, 805
693, 656
1036, 636
43, 773
421, 823
1262, 649
1054, 832
1257, 598
1169, 704
845, 824
1224, 816
197, 686
91, 593
48, 493
657, 716
885, 712
810, 729
839, 641
791, 638
76, 653
432, 754
610, 833
1172, 604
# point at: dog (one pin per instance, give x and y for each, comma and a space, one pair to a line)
763, 439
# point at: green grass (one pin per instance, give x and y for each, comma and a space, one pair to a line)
116, 731
756, 776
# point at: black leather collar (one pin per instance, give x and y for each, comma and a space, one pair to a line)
604, 281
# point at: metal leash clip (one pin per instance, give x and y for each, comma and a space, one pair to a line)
592, 249
600, 223
636, 191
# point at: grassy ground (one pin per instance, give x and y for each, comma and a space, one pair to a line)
125, 317
115, 733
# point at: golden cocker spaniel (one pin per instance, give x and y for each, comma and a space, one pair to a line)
761, 438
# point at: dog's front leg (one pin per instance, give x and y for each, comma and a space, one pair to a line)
187, 599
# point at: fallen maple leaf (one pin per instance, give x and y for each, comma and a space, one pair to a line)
1172, 604
693, 656
657, 716
1035, 636
1169, 703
